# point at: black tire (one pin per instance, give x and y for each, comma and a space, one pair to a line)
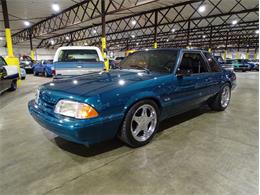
46, 74
126, 135
215, 102
13, 86
23, 78
35, 73
243, 70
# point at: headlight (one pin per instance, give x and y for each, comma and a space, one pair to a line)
75, 109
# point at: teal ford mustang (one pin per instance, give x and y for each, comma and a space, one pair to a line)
130, 101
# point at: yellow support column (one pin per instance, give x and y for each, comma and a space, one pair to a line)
32, 55
255, 56
225, 55
247, 55
104, 45
209, 50
237, 55
155, 45
11, 59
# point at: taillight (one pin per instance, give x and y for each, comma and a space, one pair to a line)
53, 72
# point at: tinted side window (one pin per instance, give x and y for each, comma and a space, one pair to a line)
2, 62
192, 63
214, 66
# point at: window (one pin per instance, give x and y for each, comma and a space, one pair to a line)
214, 66
78, 55
161, 61
2, 62
192, 63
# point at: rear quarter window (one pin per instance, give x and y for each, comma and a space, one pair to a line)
214, 66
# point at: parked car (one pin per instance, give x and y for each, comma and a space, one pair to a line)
129, 102
45, 67
26, 63
23, 73
239, 64
118, 60
75, 60
8, 76
254, 64
223, 64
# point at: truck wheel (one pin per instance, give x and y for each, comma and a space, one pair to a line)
13, 85
140, 123
221, 101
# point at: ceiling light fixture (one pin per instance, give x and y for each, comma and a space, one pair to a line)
204, 36
133, 36
173, 30
52, 42
94, 31
26, 23
234, 22
257, 32
202, 8
67, 37
55, 7
133, 22
1, 38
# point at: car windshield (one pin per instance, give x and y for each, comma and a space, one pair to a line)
48, 62
161, 61
229, 61
78, 55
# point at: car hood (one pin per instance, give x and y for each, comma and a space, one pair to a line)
97, 83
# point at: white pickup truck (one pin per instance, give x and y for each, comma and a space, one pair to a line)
8, 76
77, 60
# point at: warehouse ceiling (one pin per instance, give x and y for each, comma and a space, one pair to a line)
131, 23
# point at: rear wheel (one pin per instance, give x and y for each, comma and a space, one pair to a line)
140, 123
46, 74
221, 101
13, 86
35, 73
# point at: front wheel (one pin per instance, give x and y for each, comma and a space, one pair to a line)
221, 101
13, 85
140, 123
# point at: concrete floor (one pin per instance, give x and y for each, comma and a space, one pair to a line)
199, 152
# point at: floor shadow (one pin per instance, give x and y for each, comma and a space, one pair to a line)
178, 119
96, 149
88, 151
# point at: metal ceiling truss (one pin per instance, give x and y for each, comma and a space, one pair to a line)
84, 11
188, 24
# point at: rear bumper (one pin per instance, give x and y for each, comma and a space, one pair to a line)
87, 131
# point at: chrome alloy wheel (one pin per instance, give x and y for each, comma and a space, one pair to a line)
225, 97
144, 122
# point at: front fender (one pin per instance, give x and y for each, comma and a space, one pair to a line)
141, 96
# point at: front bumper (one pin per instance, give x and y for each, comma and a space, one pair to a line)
87, 131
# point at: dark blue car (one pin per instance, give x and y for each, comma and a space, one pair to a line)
129, 102
44, 67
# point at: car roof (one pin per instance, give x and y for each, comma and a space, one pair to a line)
176, 49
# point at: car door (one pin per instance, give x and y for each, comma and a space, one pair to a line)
215, 76
190, 86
